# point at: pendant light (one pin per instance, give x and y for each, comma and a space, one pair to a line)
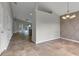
68, 15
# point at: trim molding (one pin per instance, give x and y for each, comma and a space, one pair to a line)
70, 40
38, 42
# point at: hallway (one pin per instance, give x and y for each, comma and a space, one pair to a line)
59, 47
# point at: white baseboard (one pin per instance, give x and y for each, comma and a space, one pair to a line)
70, 40
46, 40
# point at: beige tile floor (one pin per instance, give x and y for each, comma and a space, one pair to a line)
58, 47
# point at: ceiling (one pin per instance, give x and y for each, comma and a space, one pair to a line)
59, 7
22, 10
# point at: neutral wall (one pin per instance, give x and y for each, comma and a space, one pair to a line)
1, 18
34, 24
6, 25
70, 28
47, 26
22, 11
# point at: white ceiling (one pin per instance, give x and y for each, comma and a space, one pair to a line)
60, 7
22, 10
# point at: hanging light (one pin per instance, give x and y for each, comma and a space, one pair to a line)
68, 16
73, 16
63, 17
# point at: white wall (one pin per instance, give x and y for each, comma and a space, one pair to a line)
47, 26
1, 18
34, 24
6, 26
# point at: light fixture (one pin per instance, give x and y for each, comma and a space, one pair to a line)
68, 15
29, 25
73, 16
63, 17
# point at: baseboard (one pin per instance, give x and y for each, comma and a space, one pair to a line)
46, 40
70, 40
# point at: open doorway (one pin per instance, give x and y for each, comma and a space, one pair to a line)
22, 22
22, 29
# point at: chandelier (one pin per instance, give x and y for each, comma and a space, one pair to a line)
68, 15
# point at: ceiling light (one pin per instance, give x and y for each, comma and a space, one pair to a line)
63, 17
68, 16
29, 25
73, 16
